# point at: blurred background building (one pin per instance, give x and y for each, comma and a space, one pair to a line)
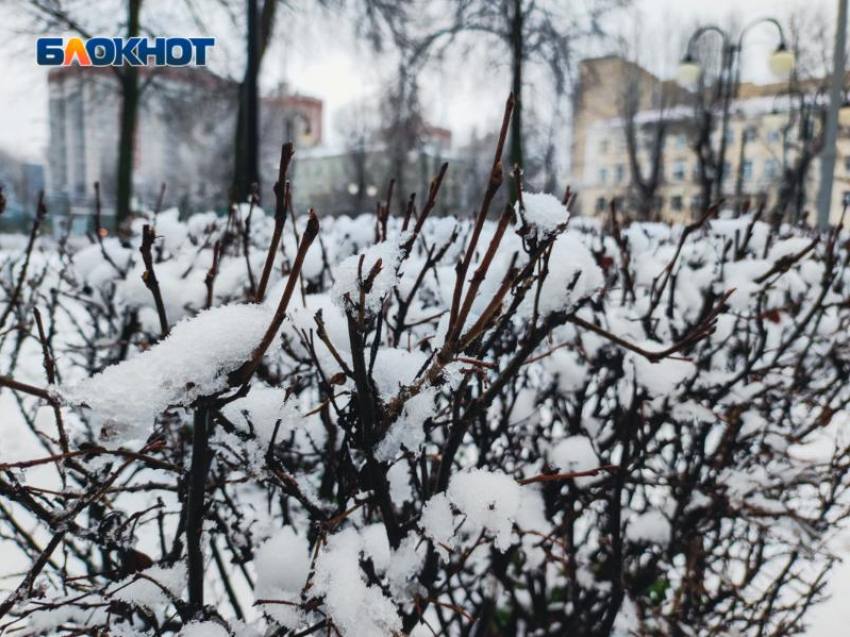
22, 182
636, 141
339, 180
184, 138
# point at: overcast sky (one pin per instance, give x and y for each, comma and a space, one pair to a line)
322, 60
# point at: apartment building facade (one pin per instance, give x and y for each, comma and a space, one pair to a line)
765, 135
185, 136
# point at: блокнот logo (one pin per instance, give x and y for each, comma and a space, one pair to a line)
137, 51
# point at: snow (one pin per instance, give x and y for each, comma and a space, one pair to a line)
573, 276
149, 587
350, 274
263, 408
403, 568
193, 361
488, 501
204, 629
283, 565
571, 374
408, 430
573, 454
543, 213
651, 527
357, 608
396, 367
659, 378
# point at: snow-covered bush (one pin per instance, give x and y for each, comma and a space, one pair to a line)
405, 424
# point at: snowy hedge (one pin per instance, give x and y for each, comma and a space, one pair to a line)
410, 424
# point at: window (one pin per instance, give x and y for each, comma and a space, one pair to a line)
847, 164
747, 170
603, 146
679, 170
727, 169
750, 134
619, 174
676, 203
603, 175
774, 136
845, 198
681, 141
696, 203
771, 169
730, 136
600, 204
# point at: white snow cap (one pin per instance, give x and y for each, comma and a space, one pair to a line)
573, 275
543, 213
264, 406
283, 565
348, 274
650, 527
488, 501
575, 453
204, 629
357, 608
193, 361
150, 590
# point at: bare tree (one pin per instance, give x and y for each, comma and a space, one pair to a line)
644, 104
529, 32
381, 23
804, 104
76, 17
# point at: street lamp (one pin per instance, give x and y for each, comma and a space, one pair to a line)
781, 63
688, 72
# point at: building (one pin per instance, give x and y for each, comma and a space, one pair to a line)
22, 182
337, 180
769, 140
185, 137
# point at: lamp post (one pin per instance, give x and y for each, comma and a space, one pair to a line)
781, 63
827, 162
290, 123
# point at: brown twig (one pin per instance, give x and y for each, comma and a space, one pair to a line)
553, 477
286, 153
695, 335
209, 280
50, 370
15, 385
493, 184
149, 277
244, 373
40, 214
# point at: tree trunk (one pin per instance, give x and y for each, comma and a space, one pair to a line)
517, 55
246, 151
129, 115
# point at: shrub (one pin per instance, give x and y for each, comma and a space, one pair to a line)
405, 424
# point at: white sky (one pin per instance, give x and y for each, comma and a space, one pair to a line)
321, 59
